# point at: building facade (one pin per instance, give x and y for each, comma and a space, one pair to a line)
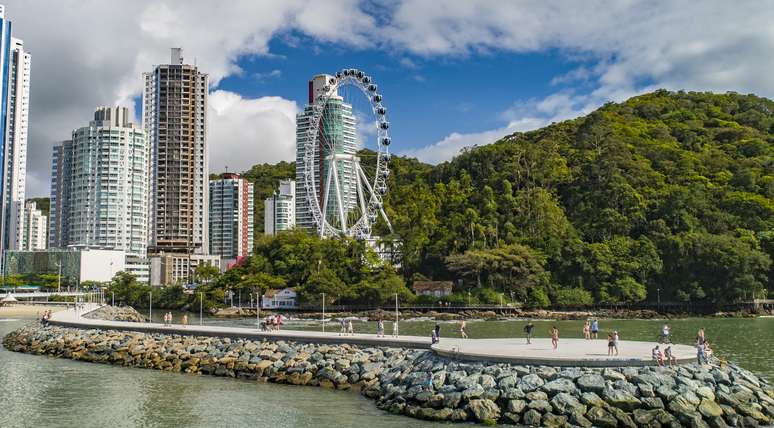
280, 209
35, 228
14, 108
176, 268
99, 188
77, 265
175, 120
61, 163
338, 131
231, 218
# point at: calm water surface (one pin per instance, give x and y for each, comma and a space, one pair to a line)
42, 391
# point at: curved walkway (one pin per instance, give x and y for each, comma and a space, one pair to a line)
571, 352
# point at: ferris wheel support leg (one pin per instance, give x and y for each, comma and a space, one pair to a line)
325, 201
384, 216
342, 218
360, 195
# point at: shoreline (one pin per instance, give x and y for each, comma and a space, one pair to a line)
27, 312
420, 384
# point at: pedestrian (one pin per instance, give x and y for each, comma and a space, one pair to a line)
554, 337
669, 356
395, 328
665, 330
343, 331
462, 330
433, 337
277, 321
610, 344
528, 330
350, 328
701, 355
700, 337
437, 331
380, 328
184, 320
615, 341
587, 330
657, 356
594, 328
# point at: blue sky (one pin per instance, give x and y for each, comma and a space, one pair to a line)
454, 73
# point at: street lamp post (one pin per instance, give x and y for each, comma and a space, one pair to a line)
396, 315
201, 305
323, 314
150, 306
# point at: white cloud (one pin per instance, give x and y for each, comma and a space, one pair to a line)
246, 131
268, 75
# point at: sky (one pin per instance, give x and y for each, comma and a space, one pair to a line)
453, 73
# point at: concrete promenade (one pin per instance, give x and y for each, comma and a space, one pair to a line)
571, 352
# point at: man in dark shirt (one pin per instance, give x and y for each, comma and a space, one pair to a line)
528, 329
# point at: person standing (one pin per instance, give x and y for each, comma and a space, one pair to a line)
437, 331
700, 337
669, 356
380, 328
528, 330
343, 331
554, 337
610, 344
184, 320
350, 328
587, 330
615, 341
594, 328
395, 328
701, 356
665, 330
462, 330
277, 321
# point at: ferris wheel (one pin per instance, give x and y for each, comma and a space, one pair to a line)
345, 177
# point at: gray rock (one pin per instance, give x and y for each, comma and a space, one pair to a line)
652, 402
591, 383
516, 406
681, 406
621, 399
542, 406
560, 385
666, 392
709, 408
512, 393
537, 395
474, 391
592, 399
566, 404
530, 382
624, 419
507, 382
484, 410
532, 418
578, 419
554, 421
487, 381
601, 418
451, 399
613, 375
511, 418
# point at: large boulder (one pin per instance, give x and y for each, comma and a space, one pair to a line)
566, 404
622, 399
560, 385
532, 418
484, 410
591, 383
601, 418
530, 382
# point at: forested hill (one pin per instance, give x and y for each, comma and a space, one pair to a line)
666, 194
666, 191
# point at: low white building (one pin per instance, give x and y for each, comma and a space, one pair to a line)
75, 265
178, 268
279, 299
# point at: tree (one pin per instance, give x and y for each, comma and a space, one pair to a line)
205, 272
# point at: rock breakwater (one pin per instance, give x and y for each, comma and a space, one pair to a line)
116, 313
420, 384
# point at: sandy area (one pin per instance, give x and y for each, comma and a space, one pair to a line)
26, 311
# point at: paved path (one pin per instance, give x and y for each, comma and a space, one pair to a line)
571, 352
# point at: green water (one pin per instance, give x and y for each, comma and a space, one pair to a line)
47, 392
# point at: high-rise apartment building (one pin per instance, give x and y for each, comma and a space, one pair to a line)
35, 228
61, 163
231, 217
99, 188
337, 130
175, 121
280, 209
14, 105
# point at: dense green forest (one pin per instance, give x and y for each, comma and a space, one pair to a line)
668, 194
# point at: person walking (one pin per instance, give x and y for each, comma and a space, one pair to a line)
277, 321
701, 355
437, 331
343, 331
380, 328
433, 337
587, 330
594, 328
350, 328
528, 330
700, 337
184, 320
554, 337
395, 328
615, 341
610, 344
462, 330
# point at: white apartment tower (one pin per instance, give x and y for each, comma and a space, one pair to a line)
231, 217
35, 228
280, 209
99, 188
175, 121
339, 128
14, 108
